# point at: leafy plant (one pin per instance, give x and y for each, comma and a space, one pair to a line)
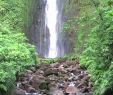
15, 52
95, 41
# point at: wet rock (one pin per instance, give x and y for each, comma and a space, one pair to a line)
29, 72
71, 89
35, 82
82, 83
59, 78
61, 85
79, 93
81, 76
54, 65
84, 90
33, 69
51, 72
31, 90
39, 72
91, 93
20, 91
22, 79
32, 94
44, 85
56, 91
24, 85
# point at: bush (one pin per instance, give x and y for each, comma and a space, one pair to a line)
98, 54
95, 41
15, 52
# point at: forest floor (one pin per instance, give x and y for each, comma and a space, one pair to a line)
62, 78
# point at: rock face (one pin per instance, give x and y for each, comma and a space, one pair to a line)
38, 34
65, 78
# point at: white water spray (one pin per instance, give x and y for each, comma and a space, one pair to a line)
51, 23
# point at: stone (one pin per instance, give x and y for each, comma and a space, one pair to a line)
33, 69
29, 72
89, 93
36, 81
84, 90
58, 92
71, 89
32, 94
20, 91
31, 90
56, 78
51, 72
44, 85
79, 93
54, 65
39, 72
55, 91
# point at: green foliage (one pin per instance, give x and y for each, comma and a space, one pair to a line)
98, 55
51, 60
47, 61
15, 52
94, 40
70, 57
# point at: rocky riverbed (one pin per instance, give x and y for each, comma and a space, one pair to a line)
63, 78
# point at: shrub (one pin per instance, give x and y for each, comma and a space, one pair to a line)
15, 52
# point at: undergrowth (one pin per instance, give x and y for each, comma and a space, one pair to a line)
15, 52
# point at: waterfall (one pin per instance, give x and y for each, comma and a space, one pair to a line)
51, 13
46, 29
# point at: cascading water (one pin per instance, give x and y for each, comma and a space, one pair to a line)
45, 31
51, 14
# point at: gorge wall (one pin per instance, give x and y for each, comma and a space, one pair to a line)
39, 35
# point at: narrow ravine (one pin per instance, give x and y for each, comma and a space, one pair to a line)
60, 78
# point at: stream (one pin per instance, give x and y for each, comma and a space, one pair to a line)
60, 78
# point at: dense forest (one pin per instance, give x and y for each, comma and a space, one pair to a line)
94, 41
15, 52
91, 22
